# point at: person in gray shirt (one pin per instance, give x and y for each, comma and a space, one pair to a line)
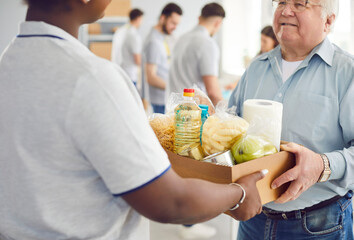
157, 53
196, 56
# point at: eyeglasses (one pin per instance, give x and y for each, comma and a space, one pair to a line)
295, 5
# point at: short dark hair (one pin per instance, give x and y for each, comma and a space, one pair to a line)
47, 5
171, 8
268, 31
213, 10
135, 13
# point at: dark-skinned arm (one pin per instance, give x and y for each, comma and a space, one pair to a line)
172, 199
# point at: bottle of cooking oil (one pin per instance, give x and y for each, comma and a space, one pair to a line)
205, 115
187, 127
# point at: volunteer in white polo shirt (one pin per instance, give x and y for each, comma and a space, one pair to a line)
78, 159
196, 56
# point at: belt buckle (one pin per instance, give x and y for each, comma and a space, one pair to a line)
284, 216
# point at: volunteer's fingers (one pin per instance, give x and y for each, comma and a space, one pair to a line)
259, 175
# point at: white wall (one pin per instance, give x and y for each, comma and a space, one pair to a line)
240, 34
12, 12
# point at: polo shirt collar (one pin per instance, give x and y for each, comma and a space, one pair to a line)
202, 29
158, 34
33, 28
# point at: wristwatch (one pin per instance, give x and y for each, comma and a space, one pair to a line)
326, 171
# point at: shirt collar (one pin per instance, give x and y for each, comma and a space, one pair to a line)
325, 50
202, 29
159, 34
42, 28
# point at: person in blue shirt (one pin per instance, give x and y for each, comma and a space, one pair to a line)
314, 79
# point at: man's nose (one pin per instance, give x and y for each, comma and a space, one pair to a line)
287, 11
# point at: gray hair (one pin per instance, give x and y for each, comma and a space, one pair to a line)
330, 7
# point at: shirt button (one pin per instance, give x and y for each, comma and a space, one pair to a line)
280, 95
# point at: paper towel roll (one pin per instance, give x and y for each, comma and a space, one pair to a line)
266, 115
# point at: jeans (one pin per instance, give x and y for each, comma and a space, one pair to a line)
158, 108
332, 222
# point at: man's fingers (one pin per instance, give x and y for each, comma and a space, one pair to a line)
293, 192
288, 176
290, 147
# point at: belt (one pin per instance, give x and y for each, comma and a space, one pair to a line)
272, 214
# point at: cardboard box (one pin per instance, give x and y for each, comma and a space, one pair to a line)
118, 8
276, 164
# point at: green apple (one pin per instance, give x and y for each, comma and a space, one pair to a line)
250, 147
269, 149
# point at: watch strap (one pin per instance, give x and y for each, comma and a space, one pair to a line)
326, 171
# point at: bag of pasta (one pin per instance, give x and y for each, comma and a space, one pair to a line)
163, 126
222, 129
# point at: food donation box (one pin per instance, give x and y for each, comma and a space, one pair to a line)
276, 164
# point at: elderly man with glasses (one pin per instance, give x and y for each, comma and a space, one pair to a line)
314, 79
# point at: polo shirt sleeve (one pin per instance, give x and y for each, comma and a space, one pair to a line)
209, 60
109, 127
153, 52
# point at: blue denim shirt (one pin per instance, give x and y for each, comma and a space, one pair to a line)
318, 101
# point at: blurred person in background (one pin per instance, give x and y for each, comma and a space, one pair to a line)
157, 55
196, 56
314, 80
268, 40
127, 46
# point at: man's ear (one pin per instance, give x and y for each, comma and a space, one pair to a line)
162, 19
329, 22
217, 22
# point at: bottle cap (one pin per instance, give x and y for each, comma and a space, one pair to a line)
188, 92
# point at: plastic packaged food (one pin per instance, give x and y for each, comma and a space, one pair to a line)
187, 123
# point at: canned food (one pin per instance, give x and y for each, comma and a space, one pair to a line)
223, 158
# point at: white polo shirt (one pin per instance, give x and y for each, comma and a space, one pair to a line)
195, 55
156, 51
117, 43
132, 45
74, 137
